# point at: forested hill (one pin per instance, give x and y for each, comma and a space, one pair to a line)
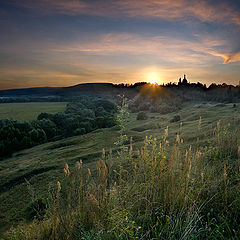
186, 91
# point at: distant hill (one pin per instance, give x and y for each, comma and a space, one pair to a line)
107, 89
41, 91
102, 89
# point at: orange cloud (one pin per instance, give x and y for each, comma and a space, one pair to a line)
232, 57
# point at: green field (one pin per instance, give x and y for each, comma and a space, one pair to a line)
43, 165
29, 111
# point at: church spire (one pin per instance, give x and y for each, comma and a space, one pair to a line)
184, 81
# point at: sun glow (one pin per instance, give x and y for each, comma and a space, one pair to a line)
153, 78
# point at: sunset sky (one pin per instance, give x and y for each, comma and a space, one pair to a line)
67, 42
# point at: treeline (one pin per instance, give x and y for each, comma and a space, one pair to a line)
80, 117
184, 89
199, 92
169, 98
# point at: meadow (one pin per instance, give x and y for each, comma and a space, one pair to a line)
177, 203
29, 111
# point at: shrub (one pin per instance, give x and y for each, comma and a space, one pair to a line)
142, 116
80, 131
36, 209
48, 126
176, 118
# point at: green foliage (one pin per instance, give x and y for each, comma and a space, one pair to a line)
14, 135
48, 126
122, 120
79, 118
38, 136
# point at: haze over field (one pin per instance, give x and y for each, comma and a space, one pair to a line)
62, 42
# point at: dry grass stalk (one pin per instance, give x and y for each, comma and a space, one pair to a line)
55, 212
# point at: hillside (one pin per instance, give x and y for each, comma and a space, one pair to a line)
30, 174
95, 89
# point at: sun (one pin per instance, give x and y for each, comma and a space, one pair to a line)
153, 78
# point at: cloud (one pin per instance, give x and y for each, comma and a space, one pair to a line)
162, 9
151, 48
233, 57
56, 6
228, 58
181, 9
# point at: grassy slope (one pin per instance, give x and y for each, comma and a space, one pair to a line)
29, 111
43, 165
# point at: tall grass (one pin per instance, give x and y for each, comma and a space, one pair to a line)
158, 191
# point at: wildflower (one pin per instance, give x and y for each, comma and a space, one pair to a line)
195, 231
11, 229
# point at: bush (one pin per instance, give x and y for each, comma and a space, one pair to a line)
80, 131
142, 116
48, 126
36, 209
176, 118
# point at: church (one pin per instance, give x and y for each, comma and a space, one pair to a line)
184, 81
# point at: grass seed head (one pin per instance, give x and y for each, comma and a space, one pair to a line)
78, 165
58, 186
66, 170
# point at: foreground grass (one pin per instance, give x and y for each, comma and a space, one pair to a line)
29, 111
156, 192
43, 165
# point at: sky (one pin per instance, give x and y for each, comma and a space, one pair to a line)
67, 42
